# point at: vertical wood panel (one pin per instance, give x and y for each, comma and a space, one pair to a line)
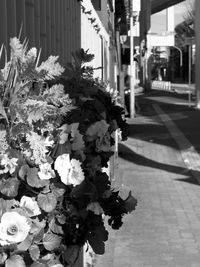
48, 25
37, 23
57, 9
43, 32
3, 22
62, 48
78, 25
65, 32
21, 18
30, 22
73, 29
11, 19
53, 28
70, 28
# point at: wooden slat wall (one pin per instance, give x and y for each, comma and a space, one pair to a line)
53, 25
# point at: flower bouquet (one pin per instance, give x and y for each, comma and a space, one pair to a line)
55, 138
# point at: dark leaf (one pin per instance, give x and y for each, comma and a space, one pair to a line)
96, 243
130, 203
102, 183
85, 188
72, 254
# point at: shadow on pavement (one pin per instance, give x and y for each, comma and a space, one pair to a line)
190, 180
186, 118
129, 155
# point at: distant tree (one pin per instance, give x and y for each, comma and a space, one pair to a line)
186, 28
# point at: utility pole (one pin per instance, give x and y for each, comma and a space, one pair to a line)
189, 63
197, 59
132, 67
135, 7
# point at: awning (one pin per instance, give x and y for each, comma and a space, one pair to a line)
159, 5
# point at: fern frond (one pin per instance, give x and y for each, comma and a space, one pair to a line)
51, 68
16, 48
3, 141
37, 146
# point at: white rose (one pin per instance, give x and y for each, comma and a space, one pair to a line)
70, 171
63, 166
46, 172
14, 228
30, 205
76, 175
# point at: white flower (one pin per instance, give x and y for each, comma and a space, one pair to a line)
70, 171
46, 172
30, 205
76, 175
9, 164
48, 142
63, 165
95, 207
14, 228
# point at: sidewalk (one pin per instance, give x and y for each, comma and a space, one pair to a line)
161, 166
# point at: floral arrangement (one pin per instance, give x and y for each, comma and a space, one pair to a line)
56, 136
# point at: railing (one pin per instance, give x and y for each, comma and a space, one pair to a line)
161, 85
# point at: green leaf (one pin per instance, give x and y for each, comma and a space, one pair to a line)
57, 191
9, 187
3, 257
55, 228
71, 254
33, 179
23, 171
61, 218
47, 202
34, 252
15, 261
7, 204
39, 264
23, 246
39, 236
51, 241
130, 203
